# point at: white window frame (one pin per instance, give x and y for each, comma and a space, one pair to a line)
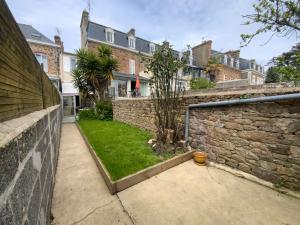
131, 66
72, 59
42, 58
109, 31
131, 39
152, 48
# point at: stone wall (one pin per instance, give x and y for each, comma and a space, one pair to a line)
28, 158
261, 139
53, 54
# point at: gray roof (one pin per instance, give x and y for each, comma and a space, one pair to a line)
31, 33
97, 32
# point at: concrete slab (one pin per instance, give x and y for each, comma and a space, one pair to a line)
185, 194
190, 194
80, 194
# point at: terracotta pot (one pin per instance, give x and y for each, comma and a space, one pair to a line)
199, 158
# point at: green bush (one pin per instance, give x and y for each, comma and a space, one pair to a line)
201, 83
104, 110
87, 114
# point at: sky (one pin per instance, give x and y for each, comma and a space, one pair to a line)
181, 22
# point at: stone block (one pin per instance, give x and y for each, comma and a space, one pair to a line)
268, 165
20, 196
244, 167
34, 204
43, 144
26, 142
44, 169
295, 151
6, 215
9, 162
234, 126
279, 148
41, 125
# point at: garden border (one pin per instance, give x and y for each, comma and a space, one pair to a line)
130, 180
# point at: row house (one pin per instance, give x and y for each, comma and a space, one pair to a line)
128, 48
234, 68
57, 64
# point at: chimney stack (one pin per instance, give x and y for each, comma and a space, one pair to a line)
202, 53
131, 32
233, 53
58, 41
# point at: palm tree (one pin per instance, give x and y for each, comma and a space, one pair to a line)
93, 72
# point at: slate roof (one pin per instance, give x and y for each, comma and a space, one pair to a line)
31, 33
97, 32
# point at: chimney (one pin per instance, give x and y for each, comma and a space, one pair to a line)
202, 53
131, 32
233, 53
83, 28
58, 41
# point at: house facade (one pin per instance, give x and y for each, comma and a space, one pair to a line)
233, 68
127, 48
57, 64
46, 51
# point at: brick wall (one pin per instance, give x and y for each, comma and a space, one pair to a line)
228, 73
269, 131
123, 57
53, 54
29, 150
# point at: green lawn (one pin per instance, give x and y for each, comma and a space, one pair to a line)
122, 148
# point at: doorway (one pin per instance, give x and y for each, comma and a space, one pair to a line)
69, 109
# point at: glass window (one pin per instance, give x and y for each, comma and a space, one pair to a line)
72, 64
109, 36
131, 42
122, 88
42, 58
152, 48
131, 66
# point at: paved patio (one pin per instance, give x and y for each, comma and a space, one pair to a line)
185, 194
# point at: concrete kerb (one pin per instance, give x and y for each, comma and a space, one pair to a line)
128, 181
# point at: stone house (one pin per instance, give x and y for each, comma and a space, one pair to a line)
233, 68
127, 48
57, 64
46, 51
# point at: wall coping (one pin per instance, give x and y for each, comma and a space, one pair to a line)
222, 92
10, 129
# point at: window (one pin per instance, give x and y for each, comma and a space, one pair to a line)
131, 42
109, 33
42, 58
152, 48
72, 64
131, 66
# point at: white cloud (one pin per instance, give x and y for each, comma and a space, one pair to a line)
181, 22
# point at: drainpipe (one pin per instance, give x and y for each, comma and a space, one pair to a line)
233, 102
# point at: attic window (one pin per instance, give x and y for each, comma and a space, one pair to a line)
152, 48
109, 34
131, 42
36, 35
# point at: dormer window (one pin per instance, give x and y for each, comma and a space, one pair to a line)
152, 48
131, 42
109, 34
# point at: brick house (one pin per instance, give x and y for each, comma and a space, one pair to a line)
46, 51
233, 67
127, 48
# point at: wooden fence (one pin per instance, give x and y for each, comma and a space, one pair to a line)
24, 86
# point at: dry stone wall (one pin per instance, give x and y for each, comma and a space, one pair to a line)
262, 139
28, 158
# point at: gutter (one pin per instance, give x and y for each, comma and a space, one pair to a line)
233, 102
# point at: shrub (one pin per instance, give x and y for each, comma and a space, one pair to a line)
201, 83
87, 114
104, 110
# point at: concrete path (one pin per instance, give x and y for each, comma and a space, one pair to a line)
80, 194
186, 194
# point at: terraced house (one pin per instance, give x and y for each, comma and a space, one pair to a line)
46, 51
127, 48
